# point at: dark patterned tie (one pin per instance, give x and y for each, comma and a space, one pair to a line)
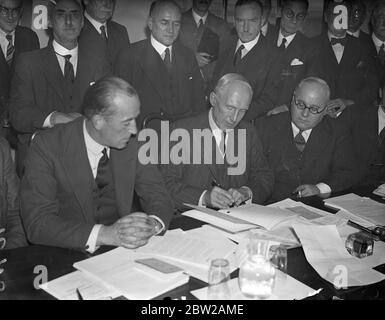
341, 41
69, 73
103, 175
167, 60
10, 49
238, 55
223, 142
201, 25
103, 33
300, 141
282, 47
381, 54
381, 137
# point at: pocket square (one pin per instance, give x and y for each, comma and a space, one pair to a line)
296, 62
92, 83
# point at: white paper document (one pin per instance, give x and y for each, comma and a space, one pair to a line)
64, 288
325, 251
285, 288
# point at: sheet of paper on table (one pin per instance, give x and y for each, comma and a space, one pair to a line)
363, 208
64, 288
325, 251
285, 288
118, 269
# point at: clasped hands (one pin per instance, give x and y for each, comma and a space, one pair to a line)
222, 199
131, 231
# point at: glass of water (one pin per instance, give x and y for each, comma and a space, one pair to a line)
257, 273
219, 275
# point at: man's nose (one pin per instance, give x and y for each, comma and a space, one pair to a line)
305, 112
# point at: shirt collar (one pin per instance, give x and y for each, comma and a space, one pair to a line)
305, 134
289, 39
197, 17
264, 29
95, 23
64, 51
249, 45
377, 42
4, 34
91, 145
159, 47
354, 34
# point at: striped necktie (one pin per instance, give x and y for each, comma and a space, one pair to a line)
300, 141
10, 49
103, 33
238, 55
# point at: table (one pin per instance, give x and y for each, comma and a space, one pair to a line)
24, 267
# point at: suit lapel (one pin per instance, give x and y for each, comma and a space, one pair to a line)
52, 70
319, 139
77, 168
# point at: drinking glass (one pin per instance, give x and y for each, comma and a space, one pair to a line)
219, 275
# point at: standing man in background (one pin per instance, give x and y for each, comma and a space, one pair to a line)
100, 33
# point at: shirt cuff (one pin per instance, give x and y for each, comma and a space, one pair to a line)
250, 195
93, 238
200, 202
323, 188
47, 122
161, 223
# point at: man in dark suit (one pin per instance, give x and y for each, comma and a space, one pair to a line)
368, 123
10, 220
80, 177
378, 37
344, 64
357, 16
14, 39
49, 84
221, 181
205, 34
294, 52
267, 28
100, 33
309, 153
251, 56
164, 72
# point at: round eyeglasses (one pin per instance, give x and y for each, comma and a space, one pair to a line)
312, 109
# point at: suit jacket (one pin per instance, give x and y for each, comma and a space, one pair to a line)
364, 130
9, 197
187, 182
380, 65
56, 191
290, 67
190, 37
38, 89
117, 40
255, 67
353, 78
328, 156
144, 69
25, 40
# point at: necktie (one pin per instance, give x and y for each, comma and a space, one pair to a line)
223, 142
300, 141
103, 33
381, 54
238, 55
10, 49
341, 41
381, 137
69, 73
283, 44
103, 175
167, 60
201, 25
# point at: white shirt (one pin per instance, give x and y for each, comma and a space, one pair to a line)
377, 42
354, 34
95, 153
217, 133
381, 119
96, 24
337, 48
264, 29
248, 45
160, 48
4, 41
197, 17
323, 187
289, 39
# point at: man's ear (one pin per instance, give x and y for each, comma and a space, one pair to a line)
213, 99
98, 121
149, 23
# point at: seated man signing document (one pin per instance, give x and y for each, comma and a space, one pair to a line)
80, 177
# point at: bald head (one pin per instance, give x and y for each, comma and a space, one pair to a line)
309, 101
230, 100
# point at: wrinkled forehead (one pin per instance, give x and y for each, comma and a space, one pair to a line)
67, 5
11, 3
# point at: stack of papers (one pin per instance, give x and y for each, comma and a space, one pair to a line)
380, 191
362, 210
325, 251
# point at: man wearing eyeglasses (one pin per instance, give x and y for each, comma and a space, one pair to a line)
14, 39
294, 52
309, 153
49, 83
344, 64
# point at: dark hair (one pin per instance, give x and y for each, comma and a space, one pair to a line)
98, 97
53, 3
155, 4
245, 2
304, 2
